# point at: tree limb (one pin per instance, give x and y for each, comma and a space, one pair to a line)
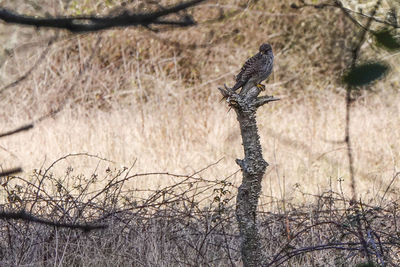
19, 129
96, 23
24, 216
262, 100
10, 172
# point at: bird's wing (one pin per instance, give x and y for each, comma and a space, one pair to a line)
249, 68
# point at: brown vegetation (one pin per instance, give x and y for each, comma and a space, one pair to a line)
133, 95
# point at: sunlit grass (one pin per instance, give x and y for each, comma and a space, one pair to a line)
152, 99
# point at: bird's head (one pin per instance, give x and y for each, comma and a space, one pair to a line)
265, 48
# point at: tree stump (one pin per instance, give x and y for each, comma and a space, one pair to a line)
253, 167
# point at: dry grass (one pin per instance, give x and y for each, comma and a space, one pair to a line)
299, 142
179, 225
134, 96
152, 98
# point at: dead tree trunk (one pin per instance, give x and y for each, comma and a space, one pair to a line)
253, 168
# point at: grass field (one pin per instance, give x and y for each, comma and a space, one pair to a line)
136, 96
300, 139
149, 100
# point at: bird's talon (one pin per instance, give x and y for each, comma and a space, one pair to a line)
261, 86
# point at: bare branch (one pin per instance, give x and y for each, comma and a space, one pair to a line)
226, 92
22, 215
19, 129
348, 12
37, 63
262, 100
10, 172
96, 23
338, 246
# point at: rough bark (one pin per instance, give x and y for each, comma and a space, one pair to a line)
253, 168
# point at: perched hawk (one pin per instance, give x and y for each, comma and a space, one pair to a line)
256, 69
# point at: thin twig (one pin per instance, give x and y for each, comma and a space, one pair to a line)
296, 252
389, 185
37, 63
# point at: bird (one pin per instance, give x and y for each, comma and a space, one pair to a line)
256, 69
